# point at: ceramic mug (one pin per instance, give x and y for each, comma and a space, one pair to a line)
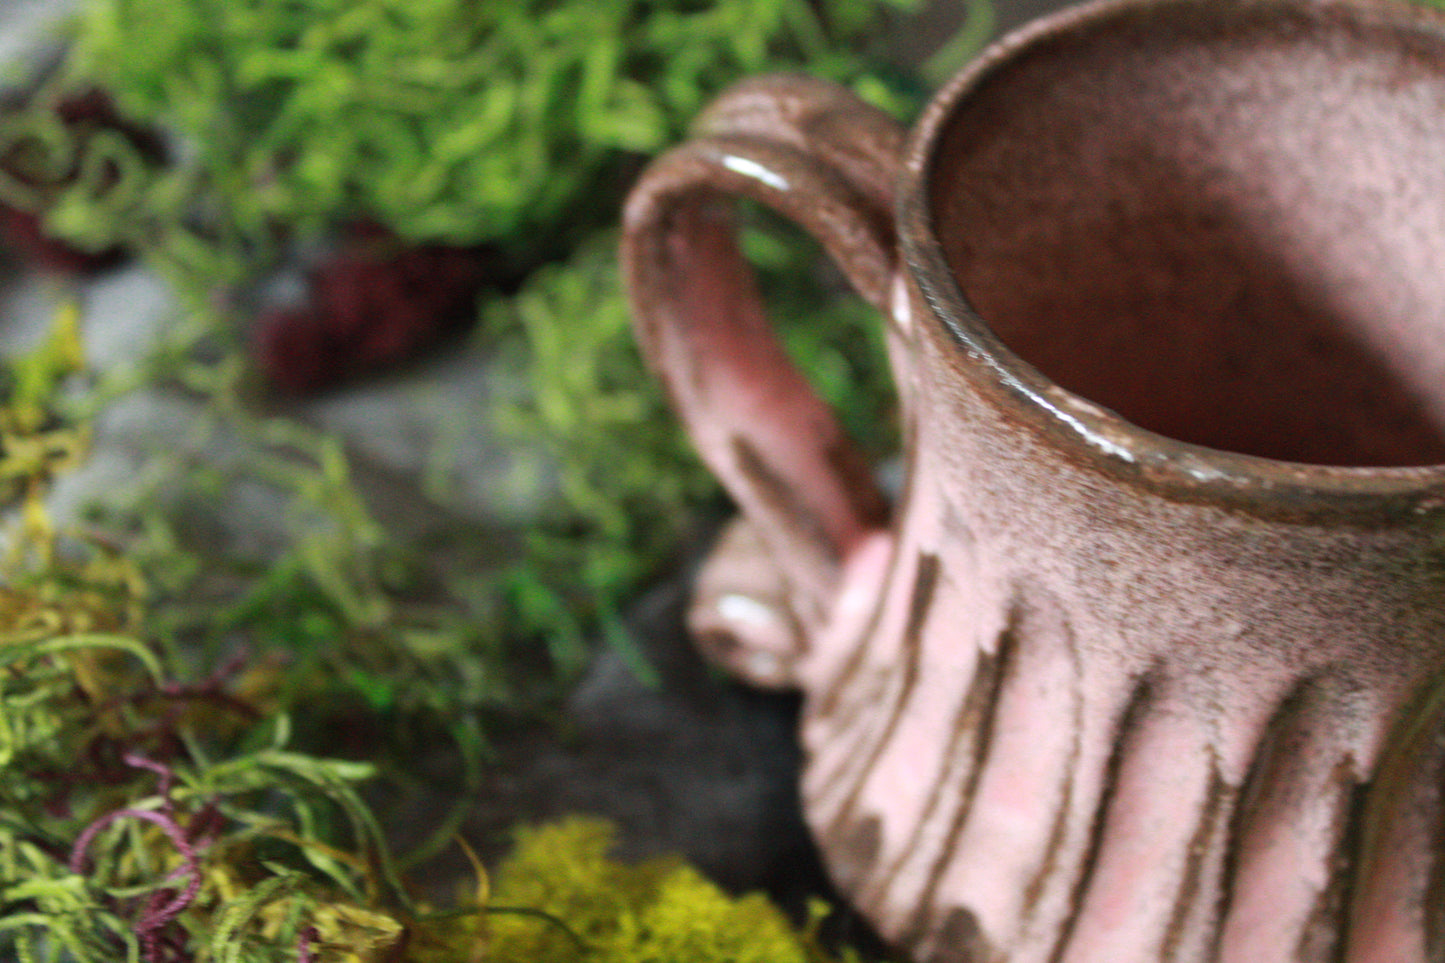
1145, 663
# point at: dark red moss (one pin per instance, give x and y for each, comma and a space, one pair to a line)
373, 303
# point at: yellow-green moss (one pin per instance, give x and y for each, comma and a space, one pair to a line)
601, 910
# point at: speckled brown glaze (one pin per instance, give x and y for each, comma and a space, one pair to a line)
1145, 664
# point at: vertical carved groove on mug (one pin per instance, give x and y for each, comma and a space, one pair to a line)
853, 851
1435, 892
970, 743
1034, 891
925, 581
1319, 934
961, 940
841, 704
1216, 805
1250, 789
1325, 935
1054, 629
1139, 701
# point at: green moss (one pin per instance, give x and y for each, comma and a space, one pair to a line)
657, 911
692, 919
592, 423
36, 442
148, 816
512, 124
131, 820
631, 493
516, 125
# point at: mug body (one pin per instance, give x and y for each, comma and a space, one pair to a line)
1155, 674
1144, 663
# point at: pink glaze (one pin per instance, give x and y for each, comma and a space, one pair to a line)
1144, 665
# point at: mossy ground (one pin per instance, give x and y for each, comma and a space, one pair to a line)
172, 703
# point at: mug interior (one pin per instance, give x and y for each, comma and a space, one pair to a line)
1225, 221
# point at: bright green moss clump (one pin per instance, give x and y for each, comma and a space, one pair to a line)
442, 120
659, 910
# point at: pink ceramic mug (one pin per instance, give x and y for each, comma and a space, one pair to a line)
1145, 664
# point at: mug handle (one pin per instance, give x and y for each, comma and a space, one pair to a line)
821, 157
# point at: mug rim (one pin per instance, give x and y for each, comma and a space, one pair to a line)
1087, 433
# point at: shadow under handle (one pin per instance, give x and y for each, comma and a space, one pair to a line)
822, 158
